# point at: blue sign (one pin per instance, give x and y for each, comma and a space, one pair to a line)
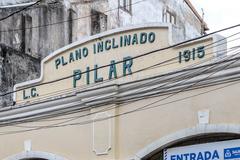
206, 155
224, 150
232, 153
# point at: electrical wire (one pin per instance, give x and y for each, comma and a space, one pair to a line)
169, 81
58, 93
108, 65
84, 87
168, 96
114, 116
138, 56
163, 104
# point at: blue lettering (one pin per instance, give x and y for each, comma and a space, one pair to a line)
77, 74
57, 62
173, 157
96, 78
215, 155
207, 155
34, 92
85, 52
71, 58
192, 156
112, 70
186, 156
127, 64
151, 37
63, 61
200, 156
179, 157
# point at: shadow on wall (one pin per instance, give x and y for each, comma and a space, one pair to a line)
15, 67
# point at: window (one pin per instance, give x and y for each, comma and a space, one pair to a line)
98, 22
125, 5
169, 17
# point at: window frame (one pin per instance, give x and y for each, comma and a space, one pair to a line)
124, 6
169, 17
97, 18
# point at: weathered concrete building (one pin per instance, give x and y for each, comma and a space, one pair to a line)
15, 67
50, 25
123, 94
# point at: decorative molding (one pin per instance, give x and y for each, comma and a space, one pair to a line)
130, 90
102, 115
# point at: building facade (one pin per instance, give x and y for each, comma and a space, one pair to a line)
133, 108
129, 93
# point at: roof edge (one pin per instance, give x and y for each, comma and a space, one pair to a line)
190, 5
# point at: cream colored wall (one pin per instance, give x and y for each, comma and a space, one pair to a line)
145, 127
121, 137
132, 132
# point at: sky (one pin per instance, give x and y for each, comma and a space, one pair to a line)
220, 14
